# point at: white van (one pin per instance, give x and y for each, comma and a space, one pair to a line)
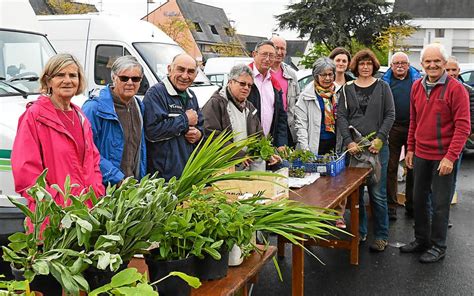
97, 40
24, 52
217, 69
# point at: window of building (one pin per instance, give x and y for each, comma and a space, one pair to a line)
197, 27
213, 30
439, 33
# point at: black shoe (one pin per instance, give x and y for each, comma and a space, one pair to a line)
392, 214
450, 224
432, 255
414, 247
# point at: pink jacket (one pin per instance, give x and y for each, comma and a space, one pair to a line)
42, 142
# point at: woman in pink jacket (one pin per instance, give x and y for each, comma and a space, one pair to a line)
53, 133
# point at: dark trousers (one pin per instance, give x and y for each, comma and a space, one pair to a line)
397, 139
431, 188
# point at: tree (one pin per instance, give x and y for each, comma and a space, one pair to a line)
318, 50
337, 22
393, 37
179, 29
68, 7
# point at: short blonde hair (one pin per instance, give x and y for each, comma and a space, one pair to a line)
54, 65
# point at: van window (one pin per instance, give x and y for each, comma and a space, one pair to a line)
105, 56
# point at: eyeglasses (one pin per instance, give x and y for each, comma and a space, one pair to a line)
400, 63
126, 78
328, 75
267, 55
244, 84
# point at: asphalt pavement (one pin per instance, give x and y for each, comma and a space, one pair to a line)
390, 272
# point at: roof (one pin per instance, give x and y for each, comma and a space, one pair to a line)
436, 8
249, 42
206, 15
41, 7
296, 48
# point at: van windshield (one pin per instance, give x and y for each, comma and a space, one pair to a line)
22, 58
158, 56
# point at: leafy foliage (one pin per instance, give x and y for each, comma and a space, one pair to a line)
262, 148
393, 37
335, 23
8, 288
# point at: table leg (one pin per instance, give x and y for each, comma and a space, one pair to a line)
354, 200
297, 270
281, 246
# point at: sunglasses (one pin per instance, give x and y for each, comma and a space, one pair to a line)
244, 84
126, 78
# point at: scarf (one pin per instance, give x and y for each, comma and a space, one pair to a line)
327, 94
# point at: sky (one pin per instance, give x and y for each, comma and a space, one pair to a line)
252, 17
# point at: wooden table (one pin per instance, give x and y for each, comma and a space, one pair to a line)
328, 192
238, 277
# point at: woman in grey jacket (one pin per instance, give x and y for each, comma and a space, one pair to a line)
367, 105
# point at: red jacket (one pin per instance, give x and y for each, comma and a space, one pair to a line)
42, 142
439, 127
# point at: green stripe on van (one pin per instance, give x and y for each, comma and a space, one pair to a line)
5, 153
5, 162
5, 168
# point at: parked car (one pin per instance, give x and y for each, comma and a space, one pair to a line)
305, 77
217, 69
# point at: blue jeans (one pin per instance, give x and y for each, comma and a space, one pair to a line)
378, 201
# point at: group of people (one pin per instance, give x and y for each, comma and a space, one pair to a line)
116, 135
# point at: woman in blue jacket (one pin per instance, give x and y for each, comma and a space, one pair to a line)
116, 116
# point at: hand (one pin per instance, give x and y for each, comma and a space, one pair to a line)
274, 159
445, 167
353, 148
281, 149
471, 137
247, 162
377, 144
409, 159
192, 117
193, 135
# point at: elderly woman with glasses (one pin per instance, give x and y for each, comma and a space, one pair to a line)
54, 134
229, 110
116, 116
366, 104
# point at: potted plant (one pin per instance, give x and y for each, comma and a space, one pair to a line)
43, 255
260, 151
130, 282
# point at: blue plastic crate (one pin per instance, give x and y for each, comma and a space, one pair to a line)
333, 168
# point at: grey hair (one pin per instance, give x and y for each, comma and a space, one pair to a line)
439, 46
322, 64
262, 43
125, 63
399, 53
238, 70
453, 59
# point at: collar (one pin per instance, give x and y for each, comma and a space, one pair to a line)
225, 92
441, 80
171, 90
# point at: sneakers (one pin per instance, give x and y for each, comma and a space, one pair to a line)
378, 245
340, 223
392, 214
362, 238
414, 247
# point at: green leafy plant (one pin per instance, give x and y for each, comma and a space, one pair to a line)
262, 148
129, 282
19, 288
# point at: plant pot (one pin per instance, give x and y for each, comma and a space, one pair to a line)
172, 286
98, 277
258, 165
209, 268
235, 256
45, 284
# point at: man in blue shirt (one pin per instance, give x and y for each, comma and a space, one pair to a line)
400, 77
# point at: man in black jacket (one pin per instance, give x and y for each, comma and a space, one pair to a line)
266, 94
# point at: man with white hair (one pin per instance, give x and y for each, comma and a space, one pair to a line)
288, 81
400, 77
439, 127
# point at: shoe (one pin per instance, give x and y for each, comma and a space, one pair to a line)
450, 224
378, 245
340, 223
414, 247
362, 238
392, 214
432, 255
